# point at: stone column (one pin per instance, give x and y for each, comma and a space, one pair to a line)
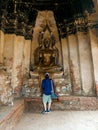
17, 65
93, 31
74, 64
26, 60
65, 54
94, 48
86, 66
1, 46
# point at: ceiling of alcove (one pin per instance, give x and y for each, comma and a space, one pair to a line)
65, 11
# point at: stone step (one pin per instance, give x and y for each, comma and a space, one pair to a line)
63, 103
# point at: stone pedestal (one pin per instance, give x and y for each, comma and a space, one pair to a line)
62, 86
33, 89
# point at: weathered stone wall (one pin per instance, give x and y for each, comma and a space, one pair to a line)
86, 65
93, 32
6, 62
26, 58
8, 52
74, 64
65, 55
1, 46
94, 49
79, 63
14, 60
17, 73
78, 54
6, 91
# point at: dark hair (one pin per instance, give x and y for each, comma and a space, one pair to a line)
46, 76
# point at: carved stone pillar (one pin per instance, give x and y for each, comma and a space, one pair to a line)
17, 65
86, 67
74, 64
65, 54
1, 46
26, 58
93, 31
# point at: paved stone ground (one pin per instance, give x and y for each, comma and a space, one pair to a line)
59, 120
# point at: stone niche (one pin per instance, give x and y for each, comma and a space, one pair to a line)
46, 56
68, 60
71, 61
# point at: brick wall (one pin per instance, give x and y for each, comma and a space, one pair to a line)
9, 121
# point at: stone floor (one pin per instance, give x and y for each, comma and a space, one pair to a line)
59, 120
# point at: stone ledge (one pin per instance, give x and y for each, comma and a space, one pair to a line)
63, 103
10, 115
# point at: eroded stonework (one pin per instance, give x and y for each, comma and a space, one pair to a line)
6, 91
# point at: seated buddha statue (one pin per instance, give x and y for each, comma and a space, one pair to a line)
46, 54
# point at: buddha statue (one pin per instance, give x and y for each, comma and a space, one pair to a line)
46, 55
